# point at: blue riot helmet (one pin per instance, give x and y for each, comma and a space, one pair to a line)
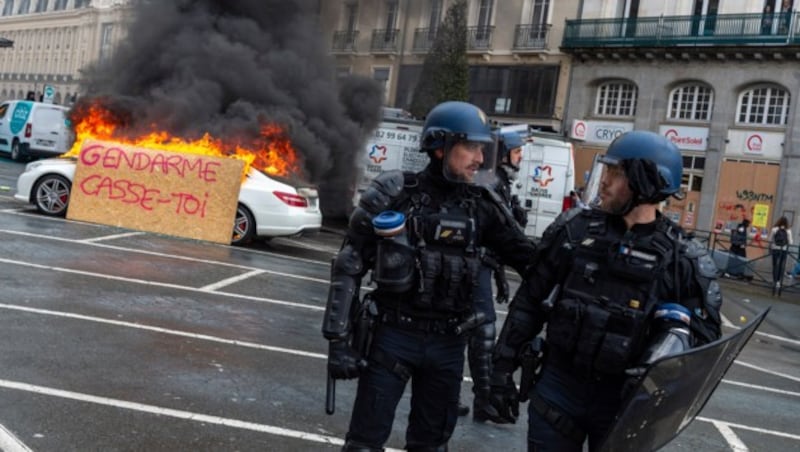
509, 141
459, 134
652, 164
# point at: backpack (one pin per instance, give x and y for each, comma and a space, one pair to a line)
781, 238
739, 236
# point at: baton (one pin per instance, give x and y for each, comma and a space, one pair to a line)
330, 395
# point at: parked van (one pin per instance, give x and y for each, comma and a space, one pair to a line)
33, 129
546, 177
393, 146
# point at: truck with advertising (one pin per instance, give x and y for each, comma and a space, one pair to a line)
393, 146
546, 178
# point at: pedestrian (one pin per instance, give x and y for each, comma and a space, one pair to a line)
612, 284
738, 258
780, 237
425, 274
479, 347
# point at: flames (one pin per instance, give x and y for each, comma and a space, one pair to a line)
271, 151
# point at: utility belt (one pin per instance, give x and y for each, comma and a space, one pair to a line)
452, 326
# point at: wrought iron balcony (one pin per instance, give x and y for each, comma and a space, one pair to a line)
663, 31
479, 38
344, 41
384, 41
531, 37
423, 39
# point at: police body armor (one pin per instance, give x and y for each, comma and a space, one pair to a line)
433, 269
600, 319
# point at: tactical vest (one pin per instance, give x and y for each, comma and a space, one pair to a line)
600, 320
435, 267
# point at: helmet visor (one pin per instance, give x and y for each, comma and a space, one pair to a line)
471, 162
604, 172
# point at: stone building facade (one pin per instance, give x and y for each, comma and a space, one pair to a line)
717, 77
517, 72
52, 41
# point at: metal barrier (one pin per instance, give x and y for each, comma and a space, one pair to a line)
756, 269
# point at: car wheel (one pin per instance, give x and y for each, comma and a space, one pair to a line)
244, 226
15, 154
51, 195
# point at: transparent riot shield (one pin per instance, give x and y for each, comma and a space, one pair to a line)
672, 392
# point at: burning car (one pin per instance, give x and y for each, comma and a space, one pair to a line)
268, 206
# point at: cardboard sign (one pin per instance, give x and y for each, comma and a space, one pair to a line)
186, 195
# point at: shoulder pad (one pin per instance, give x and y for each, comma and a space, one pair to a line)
382, 191
508, 217
693, 248
695, 251
561, 222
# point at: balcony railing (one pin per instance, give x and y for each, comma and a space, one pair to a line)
479, 38
344, 41
718, 29
423, 39
384, 41
531, 37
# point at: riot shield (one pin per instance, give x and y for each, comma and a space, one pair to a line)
672, 392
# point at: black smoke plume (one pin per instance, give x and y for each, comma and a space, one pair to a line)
226, 67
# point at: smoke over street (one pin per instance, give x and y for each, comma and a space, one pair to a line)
227, 67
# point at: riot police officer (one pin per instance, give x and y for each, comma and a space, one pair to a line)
420, 235
618, 286
482, 340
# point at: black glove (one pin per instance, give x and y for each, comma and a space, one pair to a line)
343, 361
504, 398
503, 291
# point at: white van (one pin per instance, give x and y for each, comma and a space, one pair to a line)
546, 177
33, 129
393, 146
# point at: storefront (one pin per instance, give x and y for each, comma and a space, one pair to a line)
591, 138
748, 183
693, 143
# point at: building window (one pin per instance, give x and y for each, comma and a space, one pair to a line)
540, 12
514, 90
693, 166
764, 105
691, 102
8, 8
616, 99
350, 16
59, 5
485, 13
381, 75
24, 7
41, 5
81, 4
391, 14
105, 41
435, 17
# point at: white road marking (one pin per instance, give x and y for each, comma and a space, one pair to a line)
761, 388
309, 246
155, 329
10, 443
156, 253
160, 284
730, 437
231, 280
771, 372
752, 429
111, 237
179, 414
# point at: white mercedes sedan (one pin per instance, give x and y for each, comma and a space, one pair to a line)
268, 206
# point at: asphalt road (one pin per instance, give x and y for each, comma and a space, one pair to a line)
114, 339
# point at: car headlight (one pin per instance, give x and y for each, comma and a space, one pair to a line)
32, 166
